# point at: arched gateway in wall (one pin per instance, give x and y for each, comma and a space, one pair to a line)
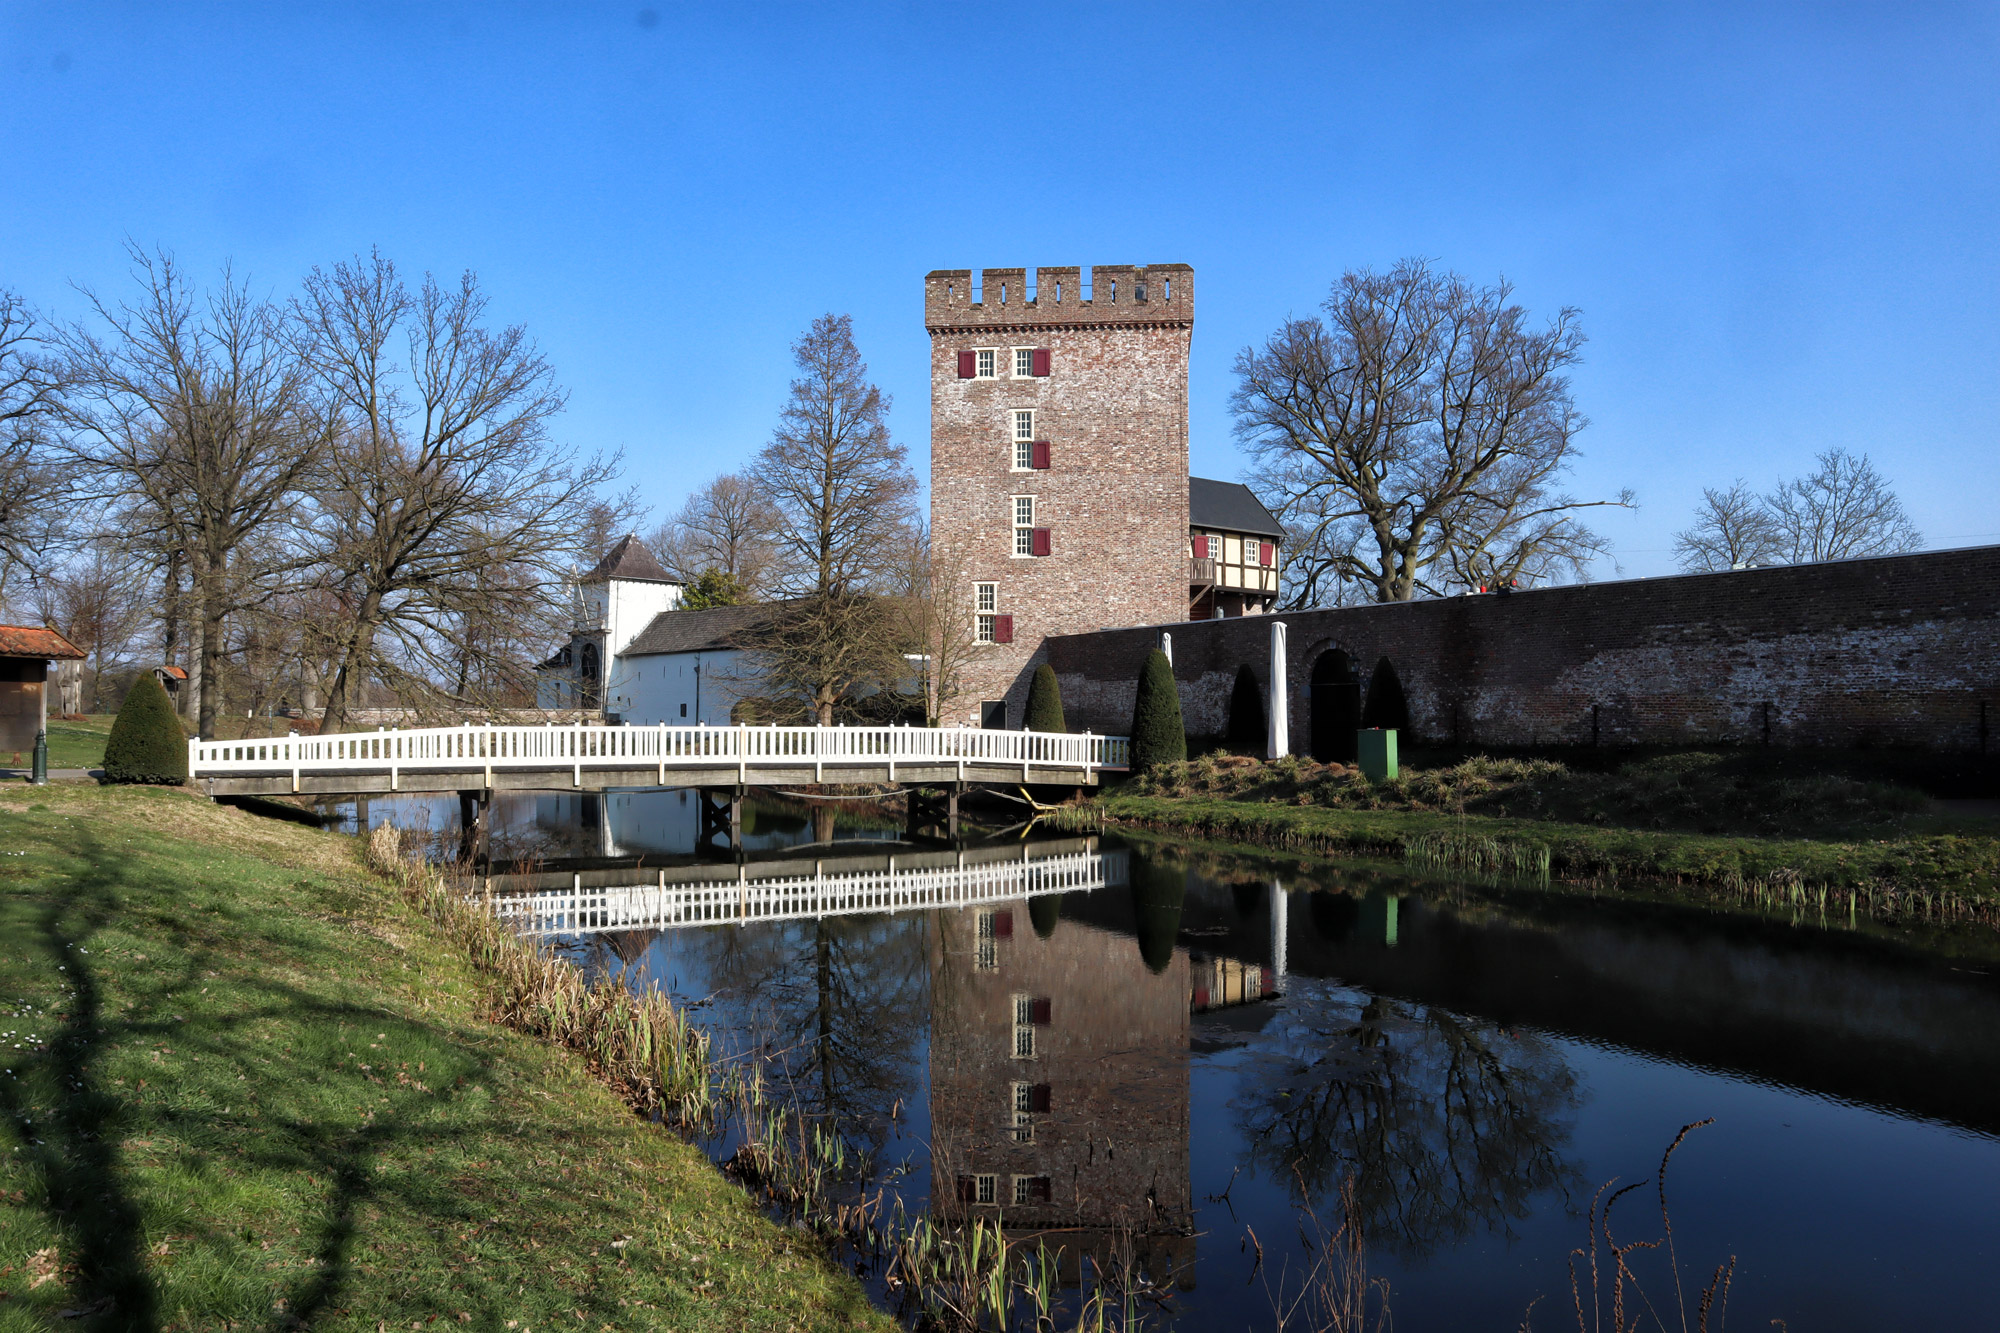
1336, 707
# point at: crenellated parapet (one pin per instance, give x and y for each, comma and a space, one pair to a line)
1127, 295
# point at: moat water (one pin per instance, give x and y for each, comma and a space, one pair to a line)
1201, 1051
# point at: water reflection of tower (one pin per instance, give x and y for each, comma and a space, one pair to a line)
1059, 1088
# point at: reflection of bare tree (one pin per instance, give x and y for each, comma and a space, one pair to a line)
1446, 1123
840, 1007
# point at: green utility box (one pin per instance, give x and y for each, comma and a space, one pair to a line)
1376, 748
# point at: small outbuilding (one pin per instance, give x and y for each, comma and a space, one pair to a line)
25, 655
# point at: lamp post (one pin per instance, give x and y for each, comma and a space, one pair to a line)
39, 775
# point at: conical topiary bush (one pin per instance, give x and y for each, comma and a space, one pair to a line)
146, 742
1045, 701
1157, 734
1387, 708
1044, 912
1246, 713
1158, 893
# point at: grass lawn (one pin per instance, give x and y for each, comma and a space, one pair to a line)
1965, 866
243, 1088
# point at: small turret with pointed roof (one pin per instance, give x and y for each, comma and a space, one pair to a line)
629, 559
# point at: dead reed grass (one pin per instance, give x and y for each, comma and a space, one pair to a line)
641, 1044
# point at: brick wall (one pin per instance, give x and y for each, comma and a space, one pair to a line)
1113, 1143
1114, 411
1900, 650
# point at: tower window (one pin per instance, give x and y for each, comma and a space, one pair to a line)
1024, 439
1024, 1027
987, 361
985, 611
1024, 525
1024, 363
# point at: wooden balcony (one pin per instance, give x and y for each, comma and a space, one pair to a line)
1201, 573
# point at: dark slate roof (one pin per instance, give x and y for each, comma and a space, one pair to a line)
701, 631
629, 560
1231, 507
23, 641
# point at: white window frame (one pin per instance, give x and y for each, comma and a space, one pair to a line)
1024, 541
1021, 1111
1024, 1026
986, 363
1024, 1191
985, 1188
1024, 444
1024, 363
986, 957
985, 610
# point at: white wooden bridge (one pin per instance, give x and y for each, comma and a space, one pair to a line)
581, 904
479, 758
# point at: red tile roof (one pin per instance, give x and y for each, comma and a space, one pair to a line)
21, 641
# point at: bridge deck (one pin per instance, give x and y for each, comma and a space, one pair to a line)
582, 758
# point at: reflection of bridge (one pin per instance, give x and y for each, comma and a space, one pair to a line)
494, 758
800, 888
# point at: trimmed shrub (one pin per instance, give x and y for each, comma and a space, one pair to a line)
1044, 912
146, 743
1387, 707
1045, 701
1157, 735
1247, 725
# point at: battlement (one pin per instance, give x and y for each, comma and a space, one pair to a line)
1128, 294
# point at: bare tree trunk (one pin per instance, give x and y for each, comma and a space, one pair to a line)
354, 657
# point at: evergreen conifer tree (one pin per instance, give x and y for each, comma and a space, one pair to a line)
1387, 708
1045, 711
146, 743
1157, 734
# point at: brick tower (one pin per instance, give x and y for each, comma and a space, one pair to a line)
1059, 458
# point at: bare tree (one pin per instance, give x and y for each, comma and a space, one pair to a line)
444, 508
841, 490
935, 615
99, 603
839, 486
189, 408
30, 394
1844, 509
1732, 529
725, 527
1415, 436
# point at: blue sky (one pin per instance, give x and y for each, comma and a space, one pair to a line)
1778, 221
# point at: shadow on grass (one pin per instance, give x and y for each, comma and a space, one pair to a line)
75, 1148
70, 1125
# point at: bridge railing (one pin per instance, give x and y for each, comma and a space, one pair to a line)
743, 898
584, 747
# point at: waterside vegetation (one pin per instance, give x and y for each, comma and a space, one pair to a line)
1730, 823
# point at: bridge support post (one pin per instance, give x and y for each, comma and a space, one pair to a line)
475, 824
361, 815
722, 813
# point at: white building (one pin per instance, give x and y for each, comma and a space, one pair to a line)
686, 669
640, 658
615, 603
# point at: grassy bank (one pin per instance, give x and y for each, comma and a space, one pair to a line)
1915, 875
255, 1087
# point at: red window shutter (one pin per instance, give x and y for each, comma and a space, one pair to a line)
1269, 553
1039, 455
1201, 548
1201, 997
968, 365
1039, 359
967, 1191
1041, 1016
1038, 541
1038, 1099
1003, 629
1038, 1186
1003, 925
